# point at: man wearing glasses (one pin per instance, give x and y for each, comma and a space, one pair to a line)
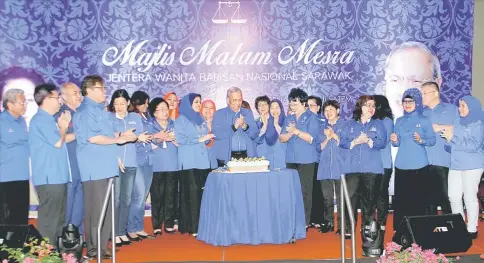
50, 161
14, 159
440, 114
97, 158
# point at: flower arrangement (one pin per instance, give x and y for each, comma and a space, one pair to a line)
413, 254
37, 252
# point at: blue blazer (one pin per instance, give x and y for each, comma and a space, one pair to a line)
362, 158
275, 154
466, 146
332, 157
298, 150
412, 155
222, 128
191, 153
164, 160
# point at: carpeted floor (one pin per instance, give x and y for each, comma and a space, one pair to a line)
316, 247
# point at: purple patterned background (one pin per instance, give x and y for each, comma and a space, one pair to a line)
65, 40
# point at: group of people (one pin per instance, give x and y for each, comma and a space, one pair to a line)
166, 147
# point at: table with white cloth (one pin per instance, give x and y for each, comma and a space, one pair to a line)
252, 208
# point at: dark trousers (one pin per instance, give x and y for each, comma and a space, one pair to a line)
306, 173
363, 190
14, 202
94, 193
317, 210
190, 199
438, 193
330, 187
75, 204
382, 201
163, 194
410, 194
52, 210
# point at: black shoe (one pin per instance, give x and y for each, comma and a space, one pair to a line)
119, 244
172, 231
473, 235
157, 233
135, 239
326, 227
145, 236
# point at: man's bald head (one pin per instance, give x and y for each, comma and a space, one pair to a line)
71, 95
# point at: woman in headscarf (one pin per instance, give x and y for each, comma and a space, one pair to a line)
172, 101
268, 144
413, 131
465, 141
192, 136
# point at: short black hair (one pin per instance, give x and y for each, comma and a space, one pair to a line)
89, 81
138, 98
382, 108
118, 94
319, 102
43, 91
332, 103
432, 84
154, 104
298, 94
259, 99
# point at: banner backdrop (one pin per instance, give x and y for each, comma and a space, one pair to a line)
333, 48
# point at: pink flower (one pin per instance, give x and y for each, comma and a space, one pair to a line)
4, 261
392, 247
29, 260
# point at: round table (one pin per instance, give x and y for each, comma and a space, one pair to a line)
252, 208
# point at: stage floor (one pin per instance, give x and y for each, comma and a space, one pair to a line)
317, 246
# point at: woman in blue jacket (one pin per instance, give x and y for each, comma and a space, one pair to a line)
364, 136
193, 161
144, 173
384, 114
413, 131
268, 144
125, 122
331, 162
465, 141
300, 132
165, 163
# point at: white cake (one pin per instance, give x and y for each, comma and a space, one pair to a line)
250, 164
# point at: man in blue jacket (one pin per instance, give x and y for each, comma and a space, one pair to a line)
71, 97
97, 157
14, 159
234, 129
440, 114
50, 161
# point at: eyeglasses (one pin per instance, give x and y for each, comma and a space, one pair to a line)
408, 102
412, 81
24, 103
370, 106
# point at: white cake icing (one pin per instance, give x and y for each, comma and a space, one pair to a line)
253, 164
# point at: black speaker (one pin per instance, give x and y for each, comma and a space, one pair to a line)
15, 236
443, 233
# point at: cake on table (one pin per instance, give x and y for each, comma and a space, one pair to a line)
249, 164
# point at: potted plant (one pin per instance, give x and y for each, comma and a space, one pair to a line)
36, 252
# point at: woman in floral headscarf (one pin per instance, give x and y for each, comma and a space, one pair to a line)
465, 141
413, 131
